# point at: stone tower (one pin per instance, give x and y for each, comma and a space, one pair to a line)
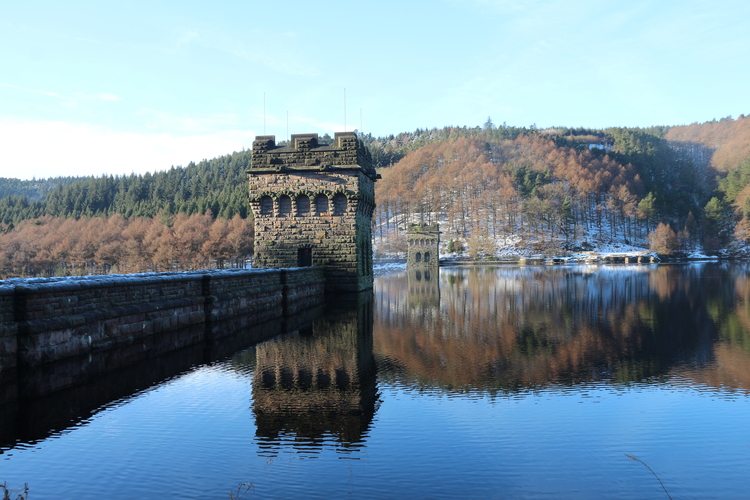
423, 244
313, 206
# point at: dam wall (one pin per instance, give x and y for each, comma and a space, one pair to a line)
45, 320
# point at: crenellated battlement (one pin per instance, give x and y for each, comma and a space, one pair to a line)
305, 152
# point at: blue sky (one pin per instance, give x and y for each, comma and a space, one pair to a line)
98, 87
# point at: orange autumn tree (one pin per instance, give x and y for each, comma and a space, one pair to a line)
489, 192
663, 240
98, 245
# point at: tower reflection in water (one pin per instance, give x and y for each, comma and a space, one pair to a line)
317, 385
424, 288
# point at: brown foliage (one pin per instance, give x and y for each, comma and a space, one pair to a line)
474, 186
98, 245
727, 140
663, 239
519, 332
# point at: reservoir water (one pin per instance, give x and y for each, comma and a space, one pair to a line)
479, 382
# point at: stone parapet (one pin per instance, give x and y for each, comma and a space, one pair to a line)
46, 320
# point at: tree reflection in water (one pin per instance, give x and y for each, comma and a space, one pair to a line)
516, 328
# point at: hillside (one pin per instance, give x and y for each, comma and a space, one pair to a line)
724, 144
216, 185
559, 190
34, 190
186, 218
496, 190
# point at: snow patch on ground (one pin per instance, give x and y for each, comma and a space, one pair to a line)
698, 255
380, 268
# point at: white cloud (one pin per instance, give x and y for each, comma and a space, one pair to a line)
48, 149
316, 125
109, 97
285, 58
67, 100
33, 91
502, 5
165, 120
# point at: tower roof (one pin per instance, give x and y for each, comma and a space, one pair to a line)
305, 152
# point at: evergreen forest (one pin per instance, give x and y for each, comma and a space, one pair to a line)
495, 189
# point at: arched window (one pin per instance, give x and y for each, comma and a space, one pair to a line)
285, 205
303, 205
321, 204
339, 204
266, 205
418, 257
427, 256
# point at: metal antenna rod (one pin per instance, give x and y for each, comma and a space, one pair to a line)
344, 109
264, 113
